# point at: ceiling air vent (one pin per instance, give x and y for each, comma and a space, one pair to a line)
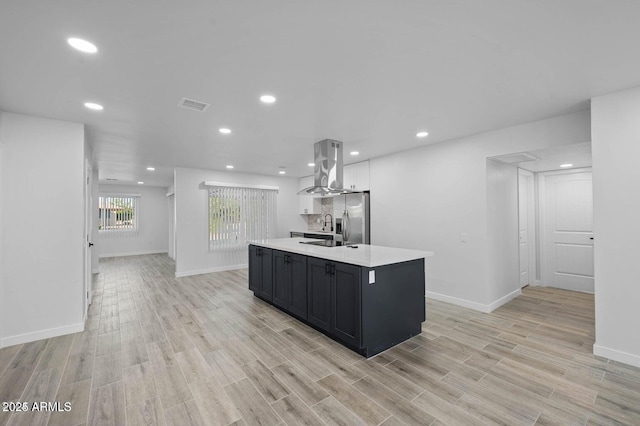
518, 157
194, 105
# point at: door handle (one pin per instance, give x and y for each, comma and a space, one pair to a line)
591, 238
91, 244
327, 269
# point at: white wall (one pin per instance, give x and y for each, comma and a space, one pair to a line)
153, 223
424, 198
42, 225
191, 200
615, 121
503, 259
1, 265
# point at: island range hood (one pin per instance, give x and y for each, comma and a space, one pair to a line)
327, 169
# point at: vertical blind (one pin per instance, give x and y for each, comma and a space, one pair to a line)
238, 215
118, 215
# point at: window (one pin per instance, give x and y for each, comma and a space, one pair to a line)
118, 215
238, 215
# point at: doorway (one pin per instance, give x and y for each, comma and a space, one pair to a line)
526, 227
555, 217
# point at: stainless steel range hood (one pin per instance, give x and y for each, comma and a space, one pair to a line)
327, 169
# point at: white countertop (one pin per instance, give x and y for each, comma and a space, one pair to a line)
365, 255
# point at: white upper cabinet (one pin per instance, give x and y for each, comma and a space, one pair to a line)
308, 204
356, 176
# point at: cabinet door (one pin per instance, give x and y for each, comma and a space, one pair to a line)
345, 303
356, 176
308, 204
319, 293
348, 177
266, 281
297, 285
362, 176
281, 281
255, 269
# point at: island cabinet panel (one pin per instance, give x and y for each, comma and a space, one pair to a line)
298, 289
393, 304
345, 303
319, 293
261, 271
255, 269
290, 282
334, 299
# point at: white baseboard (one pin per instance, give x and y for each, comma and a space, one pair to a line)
616, 355
210, 270
42, 334
135, 253
504, 299
475, 305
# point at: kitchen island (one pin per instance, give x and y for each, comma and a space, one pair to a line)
369, 298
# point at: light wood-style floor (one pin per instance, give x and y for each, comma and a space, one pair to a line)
203, 350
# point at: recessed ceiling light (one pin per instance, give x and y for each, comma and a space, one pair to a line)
282, 172
151, 168
354, 153
229, 166
564, 166
140, 182
82, 45
268, 99
422, 134
224, 130
311, 164
93, 106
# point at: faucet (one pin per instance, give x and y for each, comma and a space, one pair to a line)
330, 221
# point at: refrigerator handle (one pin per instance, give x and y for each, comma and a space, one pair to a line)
345, 226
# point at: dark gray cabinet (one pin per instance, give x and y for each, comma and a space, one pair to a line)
367, 309
261, 271
345, 303
290, 282
334, 299
319, 293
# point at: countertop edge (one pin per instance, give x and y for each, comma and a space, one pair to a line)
383, 255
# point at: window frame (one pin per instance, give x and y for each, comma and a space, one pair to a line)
238, 201
106, 203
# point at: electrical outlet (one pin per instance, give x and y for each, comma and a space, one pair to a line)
463, 237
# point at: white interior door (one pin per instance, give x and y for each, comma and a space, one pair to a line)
88, 223
567, 229
526, 224
172, 247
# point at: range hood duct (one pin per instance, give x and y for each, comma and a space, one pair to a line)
327, 169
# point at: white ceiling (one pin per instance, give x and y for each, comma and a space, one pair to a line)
368, 72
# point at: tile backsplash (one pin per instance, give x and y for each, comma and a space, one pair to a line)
312, 219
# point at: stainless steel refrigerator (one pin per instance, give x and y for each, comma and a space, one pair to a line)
355, 217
